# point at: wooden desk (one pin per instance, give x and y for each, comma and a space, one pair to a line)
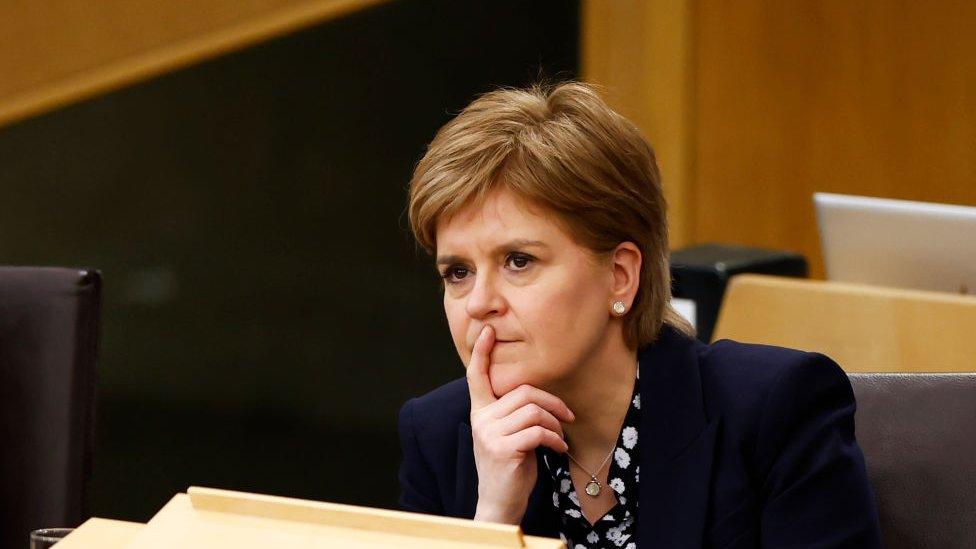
102, 533
205, 517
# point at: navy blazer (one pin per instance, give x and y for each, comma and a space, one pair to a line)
741, 446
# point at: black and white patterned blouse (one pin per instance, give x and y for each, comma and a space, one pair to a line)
617, 528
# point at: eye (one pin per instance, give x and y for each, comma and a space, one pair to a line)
454, 274
518, 261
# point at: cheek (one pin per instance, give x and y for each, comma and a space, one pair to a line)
570, 313
457, 322
568, 324
561, 325
560, 334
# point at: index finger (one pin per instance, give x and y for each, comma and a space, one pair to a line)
479, 384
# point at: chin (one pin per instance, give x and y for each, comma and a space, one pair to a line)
509, 375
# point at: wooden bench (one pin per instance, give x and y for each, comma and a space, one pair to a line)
863, 328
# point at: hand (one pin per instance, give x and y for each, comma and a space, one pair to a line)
506, 431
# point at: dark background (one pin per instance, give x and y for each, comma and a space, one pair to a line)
266, 311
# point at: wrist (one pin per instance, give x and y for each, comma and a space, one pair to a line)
486, 512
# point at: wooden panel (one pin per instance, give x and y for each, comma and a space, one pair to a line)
334, 515
221, 518
872, 98
101, 533
863, 328
60, 51
639, 51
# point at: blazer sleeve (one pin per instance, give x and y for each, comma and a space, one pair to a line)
418, 485
815, 486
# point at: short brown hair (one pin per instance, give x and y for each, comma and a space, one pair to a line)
562, 147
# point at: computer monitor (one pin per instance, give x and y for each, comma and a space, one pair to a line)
898, 243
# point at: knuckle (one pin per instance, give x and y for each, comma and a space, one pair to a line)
535, 411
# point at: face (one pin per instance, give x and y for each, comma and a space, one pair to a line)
511, 265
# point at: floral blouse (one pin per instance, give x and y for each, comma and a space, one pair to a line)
617, 528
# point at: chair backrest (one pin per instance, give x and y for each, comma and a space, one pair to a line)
864, 328
919, 440
49, 332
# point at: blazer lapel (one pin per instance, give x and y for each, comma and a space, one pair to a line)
677, 444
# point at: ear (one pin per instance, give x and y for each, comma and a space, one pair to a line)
625, 262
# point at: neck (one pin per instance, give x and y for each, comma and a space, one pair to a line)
599, 395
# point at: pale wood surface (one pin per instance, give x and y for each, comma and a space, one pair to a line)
640, 52
863, 328
101, 533
220, 518
59, 51
869, 98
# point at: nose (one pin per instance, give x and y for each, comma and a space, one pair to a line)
485, 300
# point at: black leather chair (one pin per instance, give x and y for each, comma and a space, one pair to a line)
49, 333
918, 433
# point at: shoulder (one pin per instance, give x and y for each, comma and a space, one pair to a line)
781, 409
788, 420
732, 367
439, 412
754, 382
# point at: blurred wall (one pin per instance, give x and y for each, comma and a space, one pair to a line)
266, 310
873, 98
641, 53
61, 51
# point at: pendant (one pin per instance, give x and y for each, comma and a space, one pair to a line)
593, 488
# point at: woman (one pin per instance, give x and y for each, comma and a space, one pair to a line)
589, 412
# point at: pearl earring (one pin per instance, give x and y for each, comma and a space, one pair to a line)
619, 308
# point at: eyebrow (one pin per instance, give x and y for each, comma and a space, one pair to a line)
511, 244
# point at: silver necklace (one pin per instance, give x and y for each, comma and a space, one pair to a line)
593, 486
